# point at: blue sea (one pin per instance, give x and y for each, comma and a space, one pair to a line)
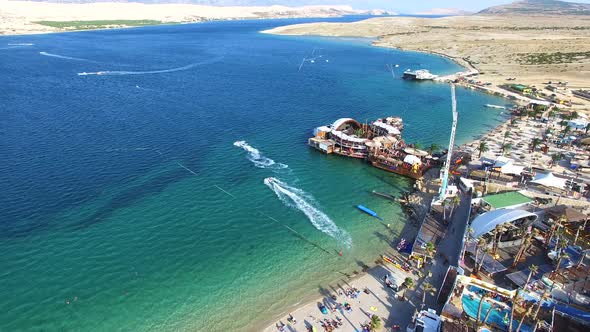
134, 163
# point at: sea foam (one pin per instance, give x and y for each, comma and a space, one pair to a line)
302, 201
170, 70
64, 57
259, 160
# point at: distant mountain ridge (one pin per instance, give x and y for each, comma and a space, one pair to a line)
539, 7
444, 11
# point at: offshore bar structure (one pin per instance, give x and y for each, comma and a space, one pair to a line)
380, 144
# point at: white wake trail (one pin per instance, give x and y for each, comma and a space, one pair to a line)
298, 199
65, 57
259, 160
122, 72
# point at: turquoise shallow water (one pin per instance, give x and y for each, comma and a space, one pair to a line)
124, 195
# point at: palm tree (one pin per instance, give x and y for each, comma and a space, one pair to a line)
528, 311
444, 204
455, 201
515, 300
574, 115
481, 301
533, 269
408, 283
566, 130
523, 247
559, 260
506, 135
555, 158
563, 123
498, 230
481, 243
506, 147
539, 304
483, 147
426, 287
578, 234
485, 319
587, 128
555, 228
484, 252
430, 249
433, 148
534, 143
375, 323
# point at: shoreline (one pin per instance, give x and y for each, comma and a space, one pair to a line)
25, 17
365, 277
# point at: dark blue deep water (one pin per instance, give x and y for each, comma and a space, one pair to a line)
125, 204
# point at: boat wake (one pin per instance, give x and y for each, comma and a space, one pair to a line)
15, 45
299, 199
121, 72
259, 160
64, 57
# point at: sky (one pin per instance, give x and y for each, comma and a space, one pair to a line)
398, 6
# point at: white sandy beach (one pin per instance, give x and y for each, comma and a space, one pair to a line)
18, 17
378, 300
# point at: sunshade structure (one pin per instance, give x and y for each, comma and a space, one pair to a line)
489, 264
509, 199
486, 222
506, 166
549, 180
519, 278
570, 214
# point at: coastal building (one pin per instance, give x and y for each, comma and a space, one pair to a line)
521, 88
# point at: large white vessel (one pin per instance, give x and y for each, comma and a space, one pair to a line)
420, 74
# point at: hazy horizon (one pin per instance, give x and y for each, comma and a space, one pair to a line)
398, 6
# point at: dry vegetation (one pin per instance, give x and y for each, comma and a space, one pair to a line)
532, 49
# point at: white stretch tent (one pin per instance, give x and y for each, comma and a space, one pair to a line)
488, 221
391, 130
507, 166
549, 180
579, 123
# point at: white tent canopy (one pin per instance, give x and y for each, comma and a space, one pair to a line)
507, 166
411, 159
486, 222
391, 130
578, 123
549, 180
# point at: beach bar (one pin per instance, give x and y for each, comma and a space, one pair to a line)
379, 143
